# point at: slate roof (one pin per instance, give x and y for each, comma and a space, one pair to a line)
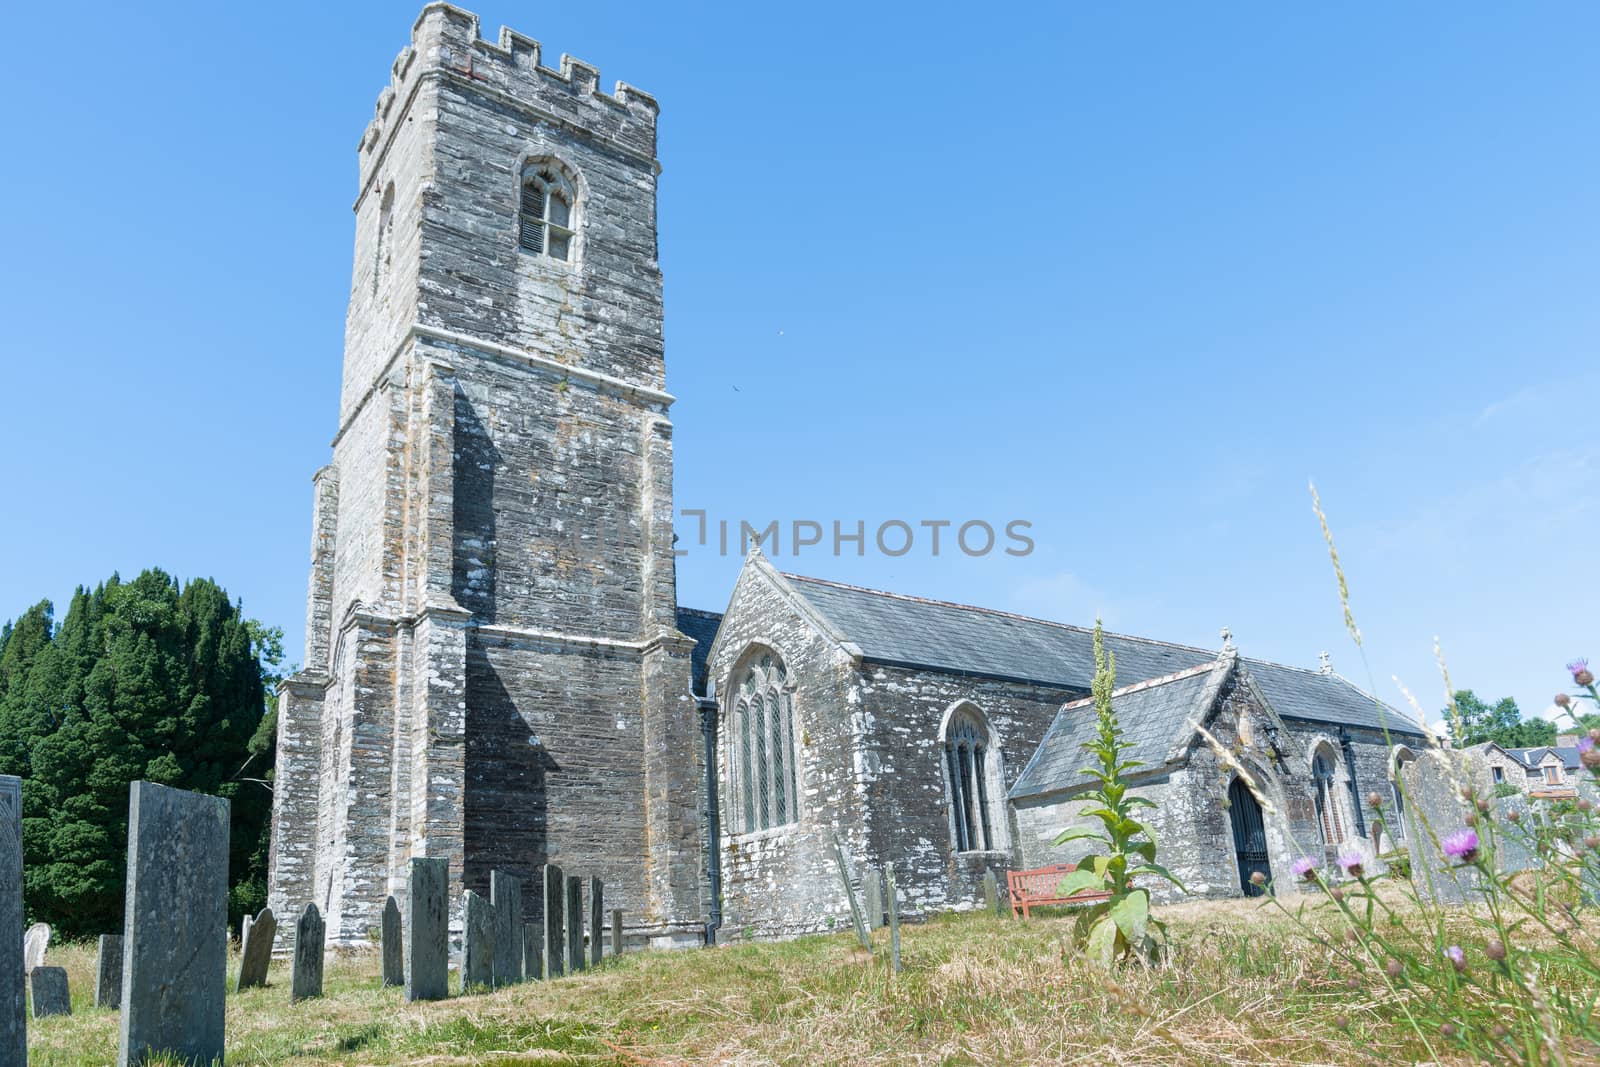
1153, 715
911, 632
1532, 757
702, 626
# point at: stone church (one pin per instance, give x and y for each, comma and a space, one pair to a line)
497, 671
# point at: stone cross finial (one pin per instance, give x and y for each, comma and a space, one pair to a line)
1327, 667
1227, 639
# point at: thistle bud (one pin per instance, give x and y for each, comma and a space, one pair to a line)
1471, 819
1584, 677
1483, 806
1257, 878
1342, 1021
1393, 968
1514, 815
1563, 701
1495, 951
1591, 841
1447, 1030
1337, 894
1590, 757
1585, 805
1374, 800
1500, 1032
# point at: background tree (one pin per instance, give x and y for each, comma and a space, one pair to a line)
147, 679
1501, 722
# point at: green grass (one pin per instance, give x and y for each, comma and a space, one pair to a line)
1240, 987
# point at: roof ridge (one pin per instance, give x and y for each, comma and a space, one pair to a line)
707, 612
1151, 683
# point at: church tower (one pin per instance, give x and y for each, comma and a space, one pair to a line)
493, 672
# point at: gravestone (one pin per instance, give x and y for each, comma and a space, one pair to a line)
394, 957
555, 934
13, 994
505, 896
427, 937
477, 943
532, 951
108, 972
850, 896
49, 988
175, 926
894, 917
575, 923
1515, 839
1435, 809
991, 893
597, 918
35, 943
255, 949
616, 932
872, 890
309, 932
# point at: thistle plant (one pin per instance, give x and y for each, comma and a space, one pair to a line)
1120, 927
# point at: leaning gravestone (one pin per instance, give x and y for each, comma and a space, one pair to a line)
1515, 836
13, 995
175, 926
532, 951
872, 893
597, 918
505, 896
255, 949
1436, 809
35, 943
310, 930
108, 972
477, 943
554, 921
50, 992
575, 923
394, 959
428, 930
616, 933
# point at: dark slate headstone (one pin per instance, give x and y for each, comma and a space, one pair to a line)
1435, 809
49, 987
477, 943
532, 951
13, 995
309, 933
427, 938
1515, 838
108, 972
175, 926
872, 891
597, 918
575, 923
255, 948
616, 932
394, 957
505, 894
555, 928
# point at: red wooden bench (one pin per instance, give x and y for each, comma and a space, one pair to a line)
1040, 885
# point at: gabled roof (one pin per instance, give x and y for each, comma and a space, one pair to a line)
1532, 757
907, 631
1157, 717
702, 626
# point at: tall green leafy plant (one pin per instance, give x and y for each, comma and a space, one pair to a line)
1121, 926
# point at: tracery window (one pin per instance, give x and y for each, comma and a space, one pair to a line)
548, 213
966, 754
764, 773
1329, 818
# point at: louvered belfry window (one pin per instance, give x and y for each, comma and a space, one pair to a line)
545, 219
764, 780
966, 757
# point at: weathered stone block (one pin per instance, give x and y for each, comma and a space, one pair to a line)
394, 959
13, 995
574, 915
1436, 807
35, 943
175, 927
532, 951
49, 988
477, 943
505, 894
427, 935
872, 890
310, 938
1514, 836
108, 972
597, 918
555, 929
255, 949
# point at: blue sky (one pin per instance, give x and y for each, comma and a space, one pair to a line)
1131, 274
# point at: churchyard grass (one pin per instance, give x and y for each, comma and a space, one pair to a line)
1239, 985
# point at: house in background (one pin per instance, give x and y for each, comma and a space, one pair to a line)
1546, 772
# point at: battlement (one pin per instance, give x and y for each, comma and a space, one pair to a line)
446, 41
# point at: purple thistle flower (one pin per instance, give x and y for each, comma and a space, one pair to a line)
1461, 845
1351, 862
1585, 743
1580, 672
1457, 958
1303, 867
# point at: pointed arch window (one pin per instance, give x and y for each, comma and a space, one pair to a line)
548, 213
970, 770
1329, 818
765, 789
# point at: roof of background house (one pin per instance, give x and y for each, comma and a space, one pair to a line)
1532, 757
907, 631
1153, 715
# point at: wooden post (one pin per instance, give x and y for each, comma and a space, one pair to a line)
894, 916
850, 895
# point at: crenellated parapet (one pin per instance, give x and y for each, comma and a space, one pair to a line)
446, 43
